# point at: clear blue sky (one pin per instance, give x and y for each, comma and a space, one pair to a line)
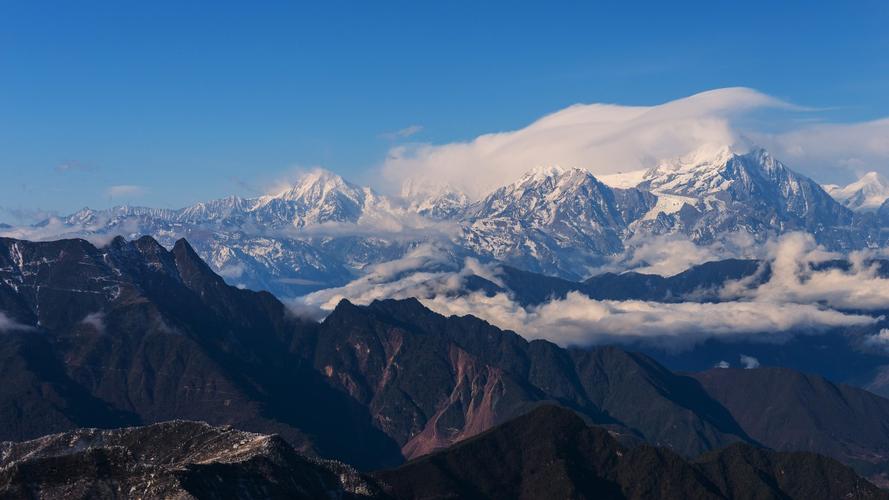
194, 100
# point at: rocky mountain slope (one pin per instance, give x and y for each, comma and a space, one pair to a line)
179, 459
714, 192
551, 453
431, 381
132, 333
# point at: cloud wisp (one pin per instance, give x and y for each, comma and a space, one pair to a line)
8, 324
124, 191
409, 131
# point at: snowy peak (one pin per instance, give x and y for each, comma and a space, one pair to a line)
432, 199
697, 174
316, 197
704, 158
552, 219
543, 172
316, 186
719, 175
543, 186
866, 194
554, 178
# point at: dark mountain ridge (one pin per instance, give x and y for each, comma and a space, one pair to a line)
131, 334
551, 453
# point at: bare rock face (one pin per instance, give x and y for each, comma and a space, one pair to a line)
179, 460
431, 381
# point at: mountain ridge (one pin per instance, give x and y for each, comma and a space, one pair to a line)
323, 231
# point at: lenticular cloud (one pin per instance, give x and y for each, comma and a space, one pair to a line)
602, 138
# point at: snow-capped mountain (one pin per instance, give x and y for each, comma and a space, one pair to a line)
553, 219
715, 191
433, 200
275, 242
866, 194
323, 231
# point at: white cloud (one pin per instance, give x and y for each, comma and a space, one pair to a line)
55, 228
233, 271
793, 280
609, 138
833, 152
603, 138
124, 191
8, 324
879, 340
749, 362
753, 310
722, 364
404, 133
579, 320
670, 254
96, 320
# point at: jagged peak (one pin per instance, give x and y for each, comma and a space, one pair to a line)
708, 155
867, 193
544, 171
317, 182
873, 177
555, 174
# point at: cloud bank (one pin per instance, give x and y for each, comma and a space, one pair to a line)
794, 299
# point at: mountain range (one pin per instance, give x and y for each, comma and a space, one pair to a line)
548, 453
323, 231
132, 334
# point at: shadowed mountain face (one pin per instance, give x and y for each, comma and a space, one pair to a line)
547, 453
430, 381
806, 412
131, 333
551, 453
170, 460
699, 282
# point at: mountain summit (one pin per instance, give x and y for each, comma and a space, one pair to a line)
866, 194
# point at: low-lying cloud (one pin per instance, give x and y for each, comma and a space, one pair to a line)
8, 324
794, 300
793, 261
96, 321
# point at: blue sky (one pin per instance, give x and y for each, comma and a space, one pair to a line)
186, 101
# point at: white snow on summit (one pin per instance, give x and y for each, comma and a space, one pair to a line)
864, 195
